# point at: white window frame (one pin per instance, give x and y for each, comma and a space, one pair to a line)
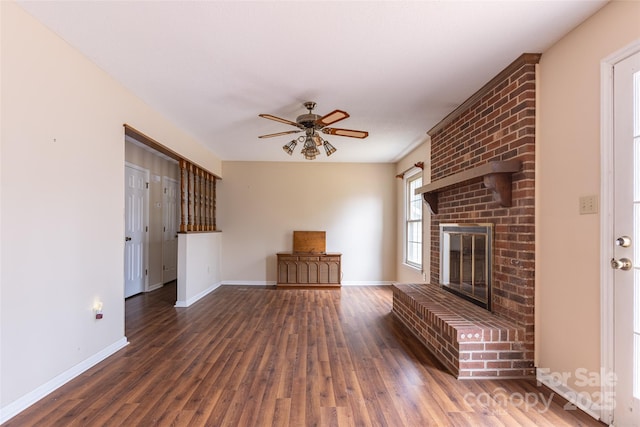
410, 184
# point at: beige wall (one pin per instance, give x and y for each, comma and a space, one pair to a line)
62, 206
260, 205
199, 262
406, 273
568, 162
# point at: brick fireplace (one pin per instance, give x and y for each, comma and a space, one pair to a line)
489, 144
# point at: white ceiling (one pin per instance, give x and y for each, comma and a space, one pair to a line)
397, 67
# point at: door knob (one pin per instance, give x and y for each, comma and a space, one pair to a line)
621, 264
126, 239
623, 241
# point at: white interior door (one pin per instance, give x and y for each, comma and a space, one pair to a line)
170, 223
136, 206
626, 261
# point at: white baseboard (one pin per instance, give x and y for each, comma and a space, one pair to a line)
196, 297
366, 283
576, 400
154, 287
14, 408
274, 283
249, 282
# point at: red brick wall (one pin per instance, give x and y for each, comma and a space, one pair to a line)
499, 124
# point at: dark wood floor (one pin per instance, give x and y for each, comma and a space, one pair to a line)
255, 356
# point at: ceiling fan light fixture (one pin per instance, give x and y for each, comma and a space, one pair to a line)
329, 149
310, 151
288, 148
310, 154
317, 139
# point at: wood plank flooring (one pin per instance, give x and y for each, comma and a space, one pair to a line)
259, 356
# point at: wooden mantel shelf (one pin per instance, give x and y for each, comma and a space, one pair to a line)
497, 178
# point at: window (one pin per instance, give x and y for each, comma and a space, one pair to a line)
413, 221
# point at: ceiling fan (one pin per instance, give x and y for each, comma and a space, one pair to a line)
311, 124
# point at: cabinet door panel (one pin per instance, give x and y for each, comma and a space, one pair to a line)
292, 272
334, 272
313, 272
282, 272
323, 273
303, 273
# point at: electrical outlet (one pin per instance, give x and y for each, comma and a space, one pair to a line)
588, 205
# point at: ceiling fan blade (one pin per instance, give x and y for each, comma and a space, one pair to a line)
332, 117
278, 119
346, 132
271, 135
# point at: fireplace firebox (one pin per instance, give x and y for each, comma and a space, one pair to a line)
465, 261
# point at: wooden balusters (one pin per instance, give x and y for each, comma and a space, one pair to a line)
209, 199
213, 202
198, 193
192, 200
205, 205
199, 211
184, 179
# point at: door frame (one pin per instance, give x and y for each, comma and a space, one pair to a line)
146, 221
607, 389
165, 180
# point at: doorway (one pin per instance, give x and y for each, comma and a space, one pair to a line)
626, 259
621, 238
161, 221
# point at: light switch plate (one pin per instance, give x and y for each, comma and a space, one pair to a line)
588, 205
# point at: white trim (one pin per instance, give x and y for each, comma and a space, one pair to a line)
273, 283
166, 181
410, 175
416, 268
154, 287
606, 219
367, 283
195, 298
14, 408
134, 166
606, 230
581, 401
249, 282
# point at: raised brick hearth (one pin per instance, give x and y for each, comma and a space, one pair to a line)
471, 342
496, 124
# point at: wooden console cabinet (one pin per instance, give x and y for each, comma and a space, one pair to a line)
309, 269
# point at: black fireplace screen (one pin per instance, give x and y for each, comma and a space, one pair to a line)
465, 261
